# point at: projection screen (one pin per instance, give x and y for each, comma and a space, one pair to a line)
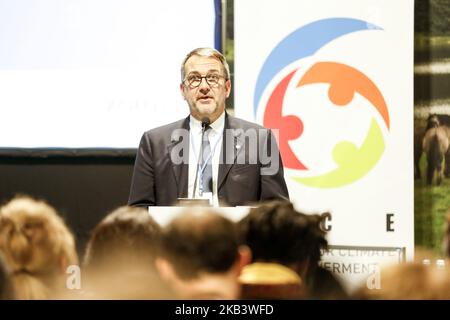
94, 73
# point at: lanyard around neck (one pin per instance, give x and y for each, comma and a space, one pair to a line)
197, 156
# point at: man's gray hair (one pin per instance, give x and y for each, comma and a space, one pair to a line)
207, 52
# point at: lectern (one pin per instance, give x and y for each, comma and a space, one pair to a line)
163, 215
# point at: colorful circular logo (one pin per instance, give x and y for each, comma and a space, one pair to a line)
352, 162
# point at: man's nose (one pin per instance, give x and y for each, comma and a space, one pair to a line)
204, 86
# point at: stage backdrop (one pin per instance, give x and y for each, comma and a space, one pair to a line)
95, 73
336, 79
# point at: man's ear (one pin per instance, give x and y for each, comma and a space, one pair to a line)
164, 268
63, 263
182, 91
228, 87
244, 258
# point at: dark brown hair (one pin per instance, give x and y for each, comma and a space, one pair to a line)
201, 241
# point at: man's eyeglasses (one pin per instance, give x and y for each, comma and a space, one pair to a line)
193, 81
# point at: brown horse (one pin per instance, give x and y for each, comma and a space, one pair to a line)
436, 145
419, 133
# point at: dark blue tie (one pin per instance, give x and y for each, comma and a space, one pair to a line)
206, 173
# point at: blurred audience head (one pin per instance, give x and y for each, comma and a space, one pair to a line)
275, 232
121, 254
201, 257
410, 281
37, 247
126, 236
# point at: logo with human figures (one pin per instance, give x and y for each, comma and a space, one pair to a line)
283, 73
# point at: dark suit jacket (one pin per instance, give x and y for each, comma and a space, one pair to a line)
157, 180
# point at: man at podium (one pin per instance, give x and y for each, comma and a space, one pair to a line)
210, 154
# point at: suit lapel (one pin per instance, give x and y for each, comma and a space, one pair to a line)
229, 158
180, 171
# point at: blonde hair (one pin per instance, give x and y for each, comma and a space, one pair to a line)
37, 247
210, 53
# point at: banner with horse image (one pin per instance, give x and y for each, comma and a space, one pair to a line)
432, 124
336, 79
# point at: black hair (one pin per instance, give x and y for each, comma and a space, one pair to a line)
276, 232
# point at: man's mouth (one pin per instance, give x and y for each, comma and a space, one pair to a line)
204, 98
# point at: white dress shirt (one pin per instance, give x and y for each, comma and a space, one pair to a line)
215, 137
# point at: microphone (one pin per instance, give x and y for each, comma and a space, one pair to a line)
205, 123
